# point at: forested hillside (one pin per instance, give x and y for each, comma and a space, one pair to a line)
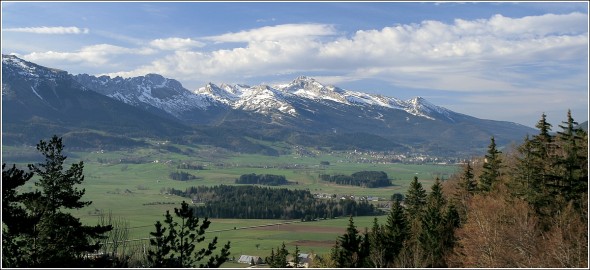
524, 207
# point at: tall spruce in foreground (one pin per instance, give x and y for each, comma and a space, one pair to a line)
177, 248
573, 162
396, 232
415, 202
415, 198
431, 237
491, 168
51, 236
351, 249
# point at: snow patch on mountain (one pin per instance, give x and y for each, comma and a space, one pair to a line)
30, 71
151, 89
268, 99
261, 99
170, 96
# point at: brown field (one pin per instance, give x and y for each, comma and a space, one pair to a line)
313, 243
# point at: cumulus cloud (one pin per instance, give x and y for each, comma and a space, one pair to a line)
483, 54
49, 30
94, 55
176, 44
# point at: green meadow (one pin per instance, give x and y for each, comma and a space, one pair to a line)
134, 190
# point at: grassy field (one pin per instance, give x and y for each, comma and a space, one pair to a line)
134, 192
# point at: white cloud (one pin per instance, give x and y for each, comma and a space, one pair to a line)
49, 30
275, 33
94, 55
498, 54
176, 44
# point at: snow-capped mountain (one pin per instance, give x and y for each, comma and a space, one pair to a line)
303, 111
268, 99
260, 99
149, 90
38, 102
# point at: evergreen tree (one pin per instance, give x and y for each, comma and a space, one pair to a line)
572, 175
467, 180
177, 248
282, 254
491, 168
415, 198
15, 218
348, 251
279, 259
395, 232
527, 171
296, 259
271, 259
431, 237
48, 235
414, 205
378, 243
158, 257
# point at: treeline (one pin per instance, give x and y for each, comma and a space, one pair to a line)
187, 166
369, 179
526, 208
262, 179
181, 176
253, 202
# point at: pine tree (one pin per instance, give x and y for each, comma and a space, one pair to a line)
181, 241
491, 168
15, 218
51, 236
158, 257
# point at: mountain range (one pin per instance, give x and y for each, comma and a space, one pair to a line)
103, 112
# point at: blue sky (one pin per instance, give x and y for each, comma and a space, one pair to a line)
493, 60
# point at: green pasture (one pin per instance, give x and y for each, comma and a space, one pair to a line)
134, 192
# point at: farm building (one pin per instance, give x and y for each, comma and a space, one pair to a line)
250, 259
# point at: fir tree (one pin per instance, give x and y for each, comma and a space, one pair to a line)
573, 178
431, 237
415, 198
378, 243
491, 168
467, 180
543, 149
395, 232
347, 251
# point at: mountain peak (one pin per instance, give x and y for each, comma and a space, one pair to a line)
303, 78
28, 70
